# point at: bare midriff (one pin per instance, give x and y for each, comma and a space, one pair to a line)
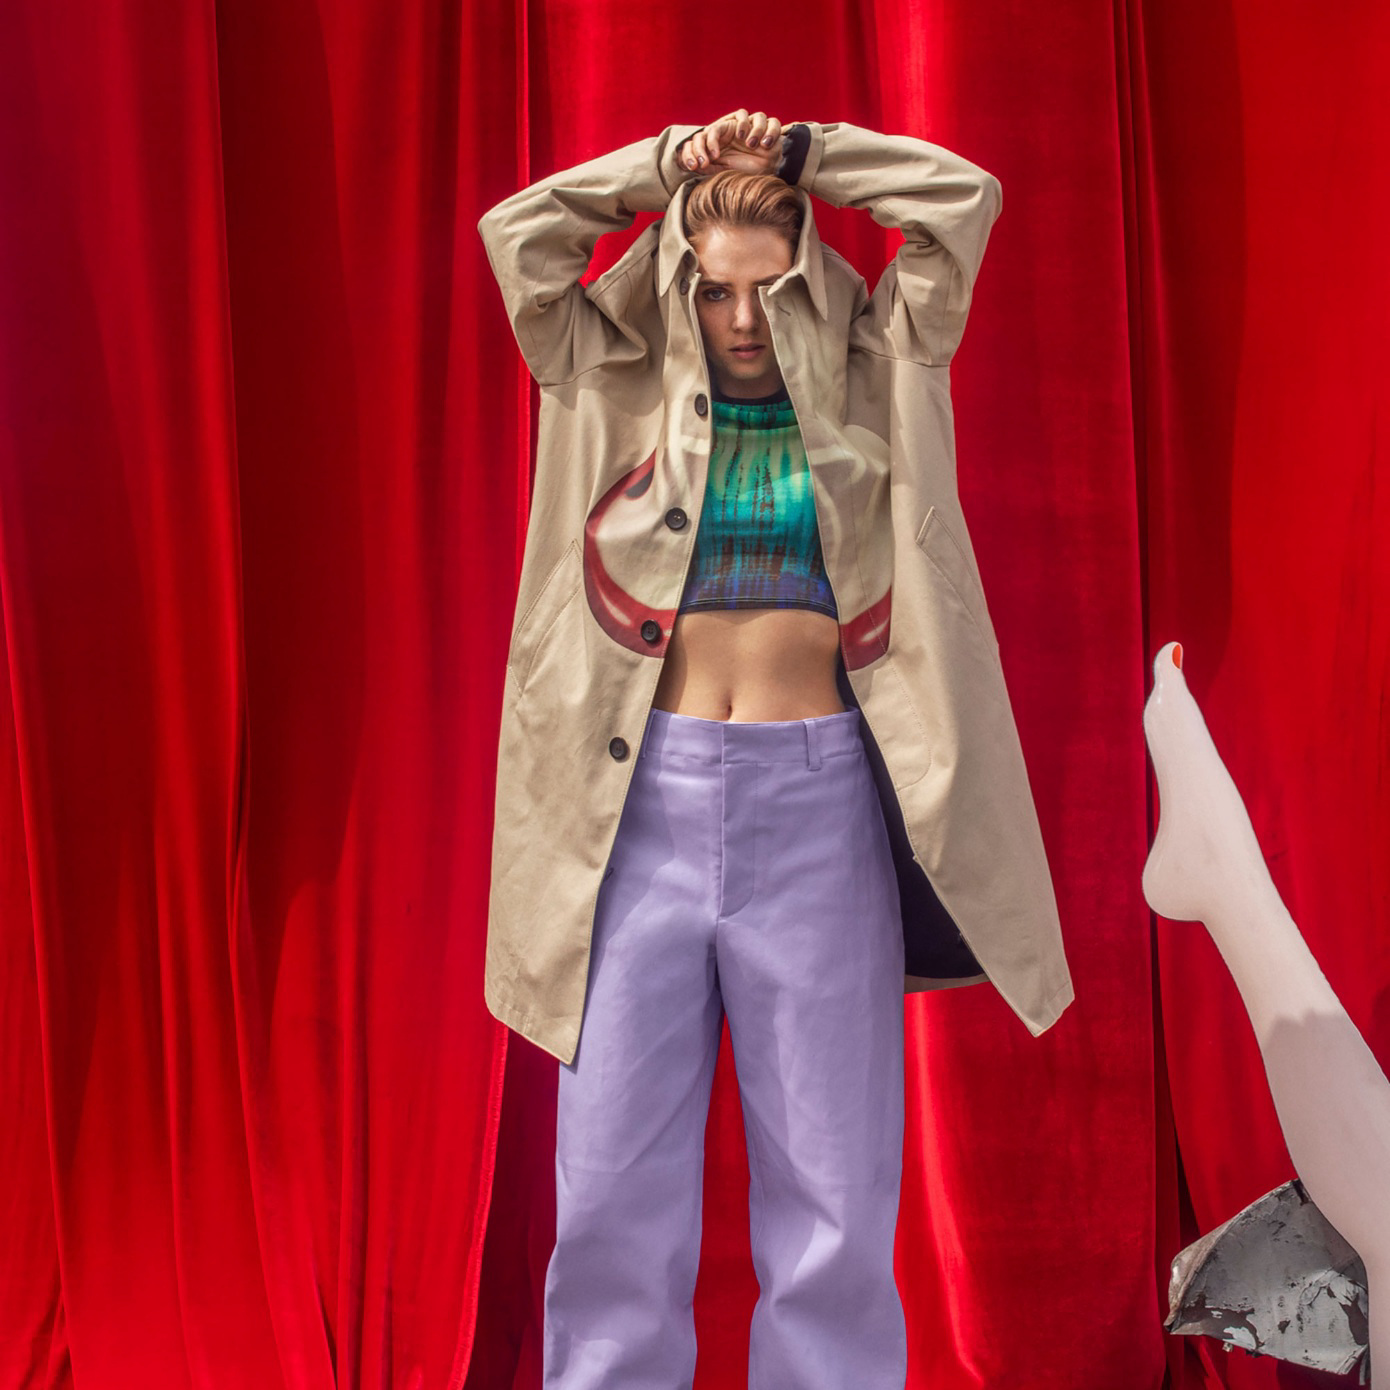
751, 665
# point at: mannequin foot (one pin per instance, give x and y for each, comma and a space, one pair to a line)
1205, 856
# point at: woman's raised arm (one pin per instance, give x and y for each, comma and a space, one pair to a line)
540, 241
943, 205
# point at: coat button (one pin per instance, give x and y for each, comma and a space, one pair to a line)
618, 748
685, 285
651, 631
702, 405
676, 519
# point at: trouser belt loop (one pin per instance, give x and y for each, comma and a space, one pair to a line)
812, 744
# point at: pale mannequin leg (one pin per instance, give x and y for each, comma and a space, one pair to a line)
1331, 1096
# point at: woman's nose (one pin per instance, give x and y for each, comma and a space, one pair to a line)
747, 314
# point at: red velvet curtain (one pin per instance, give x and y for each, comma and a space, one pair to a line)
263, 480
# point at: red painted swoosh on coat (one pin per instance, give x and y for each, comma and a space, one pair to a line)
864, 638
619, 614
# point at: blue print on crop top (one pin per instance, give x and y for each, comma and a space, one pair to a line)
758, 545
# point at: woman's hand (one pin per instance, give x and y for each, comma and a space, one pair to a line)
748, 142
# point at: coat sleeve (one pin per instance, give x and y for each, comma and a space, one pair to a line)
943, 205
540, 241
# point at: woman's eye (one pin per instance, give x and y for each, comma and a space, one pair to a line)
714, 294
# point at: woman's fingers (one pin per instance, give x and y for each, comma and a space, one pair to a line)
754, 131
725, 132
702, 148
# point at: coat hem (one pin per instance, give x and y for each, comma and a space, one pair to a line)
1052, 1009
1037, 1022
920, 984
525, 1024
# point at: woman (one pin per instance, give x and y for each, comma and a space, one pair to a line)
706, 583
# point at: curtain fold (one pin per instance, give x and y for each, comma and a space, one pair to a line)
258, 527
118, 554
264, 479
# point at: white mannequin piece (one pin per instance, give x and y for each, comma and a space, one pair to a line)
1331, 1096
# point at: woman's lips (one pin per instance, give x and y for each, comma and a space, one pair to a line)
750, 351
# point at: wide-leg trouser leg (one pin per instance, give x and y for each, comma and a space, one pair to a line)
811, 974
751, 872
633, 1102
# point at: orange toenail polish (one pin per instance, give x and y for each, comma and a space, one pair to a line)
1177, 655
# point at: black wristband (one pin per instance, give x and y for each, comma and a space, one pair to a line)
796, 145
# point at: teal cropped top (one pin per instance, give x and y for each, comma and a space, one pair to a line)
758, 545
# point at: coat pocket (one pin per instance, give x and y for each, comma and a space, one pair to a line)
935, 541
560, 589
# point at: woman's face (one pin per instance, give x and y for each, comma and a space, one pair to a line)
734, 261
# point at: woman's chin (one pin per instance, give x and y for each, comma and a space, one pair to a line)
750, 376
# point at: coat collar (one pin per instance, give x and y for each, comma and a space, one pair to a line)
675, 253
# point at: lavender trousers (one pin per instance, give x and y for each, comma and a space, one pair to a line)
751, 876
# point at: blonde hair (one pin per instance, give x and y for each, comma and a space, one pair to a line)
732, 198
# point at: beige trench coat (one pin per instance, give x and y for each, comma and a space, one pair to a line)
623, 449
